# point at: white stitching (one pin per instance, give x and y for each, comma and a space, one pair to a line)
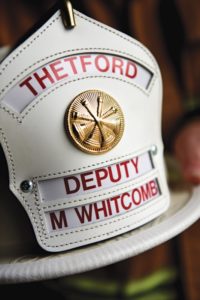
109, 223
132, 184
106, 28
50, 91
31, 41
13, 176
46, 176
140, 61
38, 36
11, 160
117, 33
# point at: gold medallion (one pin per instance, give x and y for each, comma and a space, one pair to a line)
94, 122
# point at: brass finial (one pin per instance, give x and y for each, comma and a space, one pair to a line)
67, 14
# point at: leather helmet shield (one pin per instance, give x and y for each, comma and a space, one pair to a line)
80, 126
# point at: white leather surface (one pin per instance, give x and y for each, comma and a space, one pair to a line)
28, 265
184, 210
36, 145
73, 67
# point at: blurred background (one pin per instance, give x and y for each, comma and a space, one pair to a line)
171, 30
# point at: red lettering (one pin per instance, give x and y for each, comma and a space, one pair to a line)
105, 62
56, 70
85, 214
84, 63
135, 164
125, 165
72, 64
86, 180
27, 83
100, 177
136, 197
46, 76
99, 209
124, 206
109, 207
60, 222
146, 192
118, 177
115, 200
117, 64
70, 189
131, 70
154, 188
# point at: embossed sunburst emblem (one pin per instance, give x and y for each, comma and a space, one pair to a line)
95, 122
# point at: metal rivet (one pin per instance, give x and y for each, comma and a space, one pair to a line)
26, 186
154, 150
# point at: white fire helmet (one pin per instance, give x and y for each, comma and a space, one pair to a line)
83, 182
